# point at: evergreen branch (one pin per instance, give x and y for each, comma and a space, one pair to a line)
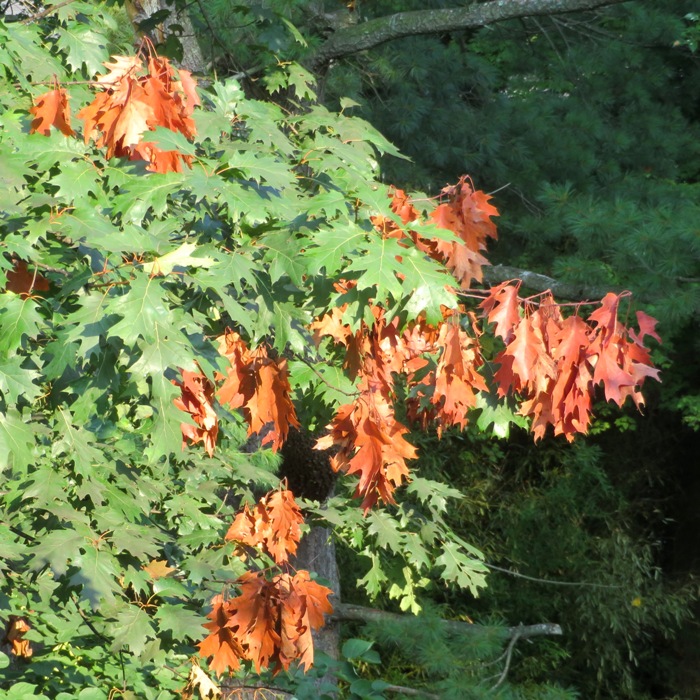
359, 613
366, 35
496, 274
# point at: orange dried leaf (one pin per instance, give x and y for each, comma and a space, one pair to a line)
51, 109
259, 386
371, 445
274, 524
196, 398
503, 308
15, 629
456, 378
221, 643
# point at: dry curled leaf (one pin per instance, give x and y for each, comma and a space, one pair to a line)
199, 681
13, 638
197, 396
269, 623
273, 524
51, 109
258, 385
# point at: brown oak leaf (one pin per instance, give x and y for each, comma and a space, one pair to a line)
273, 523
259, 385
196, 398
51, 109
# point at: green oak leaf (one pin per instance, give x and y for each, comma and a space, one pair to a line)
132, 628
17, 381
19, 319
460, 568
180, 621
97, 571
16, 440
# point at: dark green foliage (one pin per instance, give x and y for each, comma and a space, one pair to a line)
553, 514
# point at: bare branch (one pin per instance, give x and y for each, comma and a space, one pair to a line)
509, 657
410, 691
345, 611
367, 35
541, 283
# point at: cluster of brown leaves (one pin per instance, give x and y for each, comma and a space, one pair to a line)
132, 100
446, 394
369, 440
255, 383
555, 363
464, 211
259, 385
273, 524
269, 623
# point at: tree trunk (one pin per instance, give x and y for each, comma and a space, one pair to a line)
317, 553
192, 58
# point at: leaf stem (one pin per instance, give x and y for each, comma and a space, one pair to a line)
352, 394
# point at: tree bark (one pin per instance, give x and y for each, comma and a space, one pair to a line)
344, 611
192, 58
367, 35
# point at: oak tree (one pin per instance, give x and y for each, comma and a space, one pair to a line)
189, 276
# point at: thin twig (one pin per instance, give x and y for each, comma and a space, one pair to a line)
353, 394
509, 657
46, 12
410, 691
549, 581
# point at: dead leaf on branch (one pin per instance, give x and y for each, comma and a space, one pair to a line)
21, 280
133, 104
456, 377
14, 640
371, 444
268, 624
51, 109
258, 385
199, 681
196, 398
273, 524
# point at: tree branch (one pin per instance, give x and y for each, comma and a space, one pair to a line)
358, 613
495, 274
367, 35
